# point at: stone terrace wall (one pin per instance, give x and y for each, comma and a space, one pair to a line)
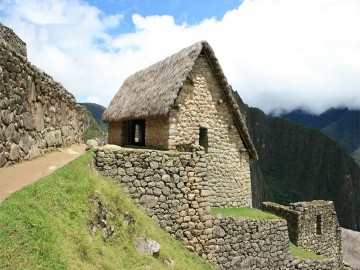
168, 185
327, 264
171, 187
37, 114
251, 244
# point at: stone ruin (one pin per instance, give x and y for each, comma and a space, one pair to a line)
311, 225
37, 114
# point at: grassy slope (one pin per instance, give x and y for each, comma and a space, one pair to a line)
44, 226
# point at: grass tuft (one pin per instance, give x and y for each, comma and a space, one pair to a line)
242, 212
45, 226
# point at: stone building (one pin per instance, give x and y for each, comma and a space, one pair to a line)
37, 114
182, 100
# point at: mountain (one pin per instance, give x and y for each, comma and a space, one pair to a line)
96, 111
342, 125
297, 163
91, 127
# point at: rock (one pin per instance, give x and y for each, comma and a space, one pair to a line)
169, 263
2, 159
91, 144
148, 200
9, 132
6, 117
146, 246
34, 151
14, 152
218, 231
50, 138
25, 143
53, 138
28, 121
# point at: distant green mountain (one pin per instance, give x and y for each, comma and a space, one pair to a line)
342, 125
97, 111
91, 127
297, 163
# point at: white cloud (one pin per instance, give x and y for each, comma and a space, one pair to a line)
278, 54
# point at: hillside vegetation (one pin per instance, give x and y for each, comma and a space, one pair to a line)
91, 127
46, 226
96, 111
297, 163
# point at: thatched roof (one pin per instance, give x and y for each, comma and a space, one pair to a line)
152, 91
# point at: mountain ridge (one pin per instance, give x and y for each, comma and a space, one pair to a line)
340, 124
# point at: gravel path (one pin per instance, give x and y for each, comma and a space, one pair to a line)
15, 177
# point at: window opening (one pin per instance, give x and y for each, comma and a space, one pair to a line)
136, 134
318, 224
203, 138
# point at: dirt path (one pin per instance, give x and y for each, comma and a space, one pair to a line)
15, 177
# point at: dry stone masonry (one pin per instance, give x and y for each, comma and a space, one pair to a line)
168, 185
37, 114
172, 187
200, 104
312, 226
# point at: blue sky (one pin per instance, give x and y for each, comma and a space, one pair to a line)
278, 54
190, 12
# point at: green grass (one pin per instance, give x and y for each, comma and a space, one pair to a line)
242, 212
299, 253
44, 226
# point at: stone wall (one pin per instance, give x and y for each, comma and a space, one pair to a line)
197, 106
8, 36
312, 226
172, 188
251, 244
37, 114
168, 185
291, 216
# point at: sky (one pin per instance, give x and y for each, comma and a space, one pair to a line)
279, 55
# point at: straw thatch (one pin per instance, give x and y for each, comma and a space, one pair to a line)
152, 91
